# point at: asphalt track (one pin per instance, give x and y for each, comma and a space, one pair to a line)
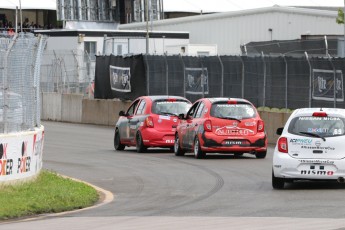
157, 190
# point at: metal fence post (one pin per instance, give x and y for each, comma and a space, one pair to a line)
147, 75
243, 76
166, 74
334, 82
202, 78
184, 76
222, 76
286, 82
264, 88
310, 79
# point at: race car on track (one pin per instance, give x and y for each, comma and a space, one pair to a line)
311, 147
221, 125
150, 121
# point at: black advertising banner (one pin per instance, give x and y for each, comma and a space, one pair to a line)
323, 85
196, 80
120, 78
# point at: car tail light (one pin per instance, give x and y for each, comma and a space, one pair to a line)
208, 126
261, 126
149, 122
171, 99
319, 114
283, 145
232, 102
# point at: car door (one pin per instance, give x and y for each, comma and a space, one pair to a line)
137, 118
187, 141
195, 124
125, 128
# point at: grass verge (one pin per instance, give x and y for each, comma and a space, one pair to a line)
49, 193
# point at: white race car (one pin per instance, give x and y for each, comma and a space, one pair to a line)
311, 147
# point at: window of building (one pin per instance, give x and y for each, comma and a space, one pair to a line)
90, 48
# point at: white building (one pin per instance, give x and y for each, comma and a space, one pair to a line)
229, 30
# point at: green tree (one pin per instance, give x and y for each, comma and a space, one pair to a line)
340, 17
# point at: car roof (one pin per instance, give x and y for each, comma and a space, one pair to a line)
225, 99
310, 111
160, 97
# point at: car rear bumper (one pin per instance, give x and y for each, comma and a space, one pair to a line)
284, 166
215, 143
154, 138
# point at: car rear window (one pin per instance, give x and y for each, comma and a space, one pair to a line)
238, 111
165, 107
322, 126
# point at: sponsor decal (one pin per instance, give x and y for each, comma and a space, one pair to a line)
197, 81
317, 130
250, 123
317, 172
232, 131
319, 118
327, 85
317, 161
120, 79
298, 141
169, 141
319, 148
175, 120
6, 165
25, 161
162, 117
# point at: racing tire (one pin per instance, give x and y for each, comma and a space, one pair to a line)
277, 183
177, 148
261, 154
198, 153
140, 144
117, 143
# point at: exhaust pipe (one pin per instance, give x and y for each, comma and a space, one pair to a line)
341, 179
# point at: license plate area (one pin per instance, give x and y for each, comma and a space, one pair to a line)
241, 143
317, 169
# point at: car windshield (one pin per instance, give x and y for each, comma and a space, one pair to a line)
233, 111
174, 108
317, 126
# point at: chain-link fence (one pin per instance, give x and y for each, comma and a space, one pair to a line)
268, 81
20, 57
67, 71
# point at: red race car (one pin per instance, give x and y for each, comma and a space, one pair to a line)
221, 125
150, 121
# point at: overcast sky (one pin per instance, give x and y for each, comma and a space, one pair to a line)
235, 5
192, 5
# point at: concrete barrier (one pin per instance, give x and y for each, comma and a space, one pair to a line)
75, 108
71, 108
51, 106
273, 120
21, 155
102, 112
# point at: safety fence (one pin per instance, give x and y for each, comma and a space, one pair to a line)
268, 81
67, 71
20, 58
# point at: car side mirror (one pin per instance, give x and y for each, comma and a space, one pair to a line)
181, 116
279, 131
122, 113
